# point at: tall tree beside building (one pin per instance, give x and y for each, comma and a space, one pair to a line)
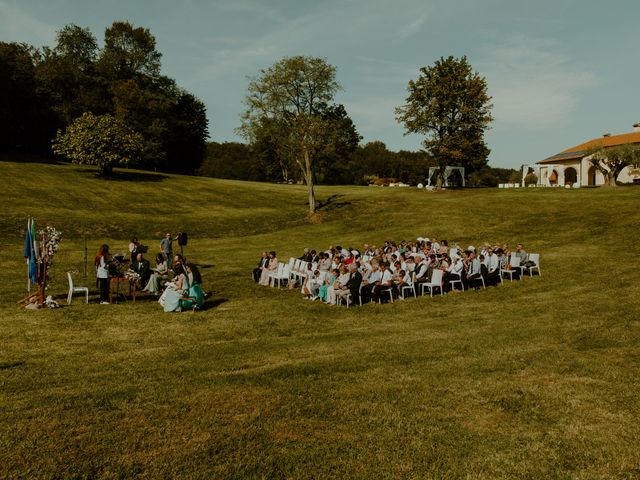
449, 104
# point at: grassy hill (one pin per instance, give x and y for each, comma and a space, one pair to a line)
533, 379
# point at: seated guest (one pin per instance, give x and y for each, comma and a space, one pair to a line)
160, 272
312, 285
141, 267
195, 284
263, 262
453, 271
352, 286
386, 281
474, 269
337, 285
328, 281
492, 263
371, 279
422, 270
324, 264
272, 266
175, 290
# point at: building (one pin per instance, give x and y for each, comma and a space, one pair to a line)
573, 167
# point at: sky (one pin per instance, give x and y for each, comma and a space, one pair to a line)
560, 72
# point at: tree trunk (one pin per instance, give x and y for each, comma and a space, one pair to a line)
439, 179
105, 170
309, 180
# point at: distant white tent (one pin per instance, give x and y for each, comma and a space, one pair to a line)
447, 173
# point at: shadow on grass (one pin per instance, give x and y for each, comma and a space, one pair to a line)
332, 203
125, 176
210, 304
21, 157
7, 365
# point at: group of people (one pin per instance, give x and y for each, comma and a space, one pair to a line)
176, 282
381, 273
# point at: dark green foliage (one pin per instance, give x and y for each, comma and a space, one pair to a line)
26, 124
44, 91
449, 104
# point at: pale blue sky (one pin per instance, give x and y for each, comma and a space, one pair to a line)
560, 72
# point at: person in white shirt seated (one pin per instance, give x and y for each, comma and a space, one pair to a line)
492, 263
369, 280
324, 264
453, 271
312, 285
340, 281
474, 271
386, 281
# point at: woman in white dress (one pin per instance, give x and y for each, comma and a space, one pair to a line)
271, 267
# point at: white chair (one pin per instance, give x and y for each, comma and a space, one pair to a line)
275, 273
411, 287
436, 282
388, 290
535, 258
514, 262
348, 299
459, 280
73, 290
480, 279
281, 275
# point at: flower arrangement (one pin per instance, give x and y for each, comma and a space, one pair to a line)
49, 243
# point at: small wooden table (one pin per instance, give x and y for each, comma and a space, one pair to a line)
116, 281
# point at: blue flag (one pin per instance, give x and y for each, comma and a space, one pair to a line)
30, 253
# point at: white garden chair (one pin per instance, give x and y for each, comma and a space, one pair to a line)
454, 282
436, 282
411, 288
514, 262
73, 289
282, 274
535, 258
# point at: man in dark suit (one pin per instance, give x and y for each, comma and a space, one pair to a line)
264, 261
352, 286
141, 267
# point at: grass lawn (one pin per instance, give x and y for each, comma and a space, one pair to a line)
533, 379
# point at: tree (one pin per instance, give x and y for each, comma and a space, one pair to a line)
342, 139
23, 122
100, 140
449, 104
67, 77
128, 52
611, 161
294, 92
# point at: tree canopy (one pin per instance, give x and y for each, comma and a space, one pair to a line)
449, 104
291, 100
45, 90
100, 140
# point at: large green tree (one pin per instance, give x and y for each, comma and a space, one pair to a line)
293, 93
128, 52
449, 104
100, 140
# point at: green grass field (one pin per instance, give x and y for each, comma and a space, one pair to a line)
533, 379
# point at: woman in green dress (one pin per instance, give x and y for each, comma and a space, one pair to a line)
195, 284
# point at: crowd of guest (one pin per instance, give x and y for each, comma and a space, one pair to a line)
380, 274
176, 282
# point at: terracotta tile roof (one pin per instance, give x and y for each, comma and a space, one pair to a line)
580, 151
